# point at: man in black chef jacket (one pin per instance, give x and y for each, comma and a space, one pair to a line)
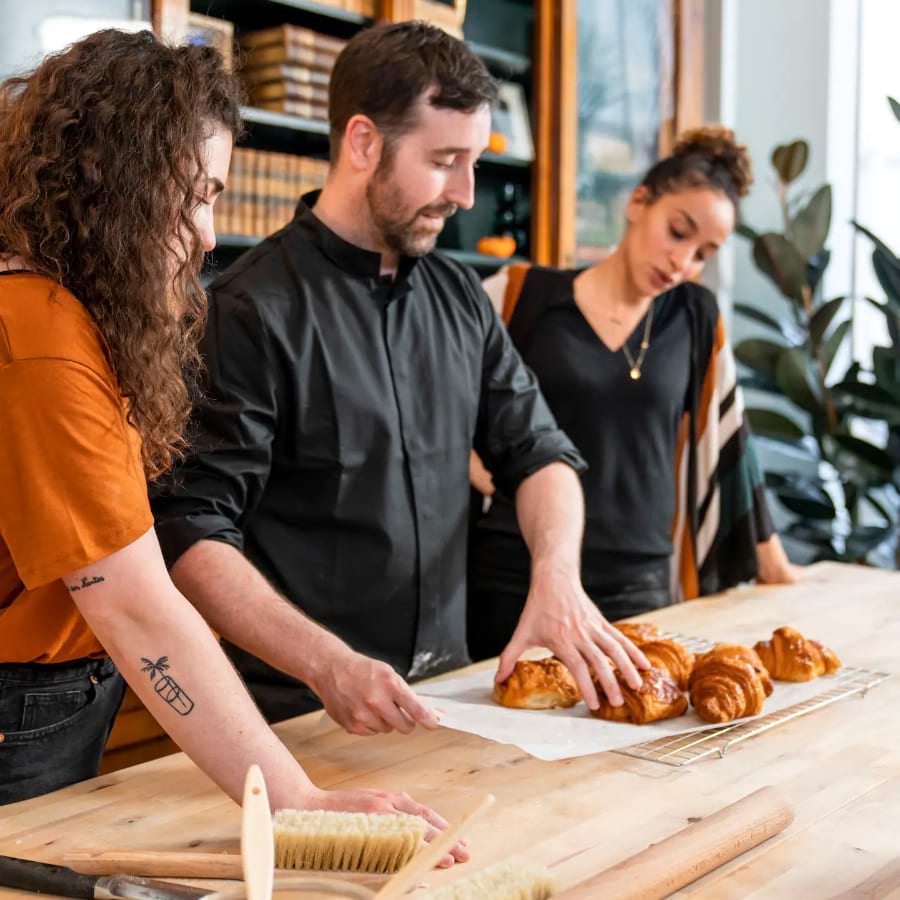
320, 522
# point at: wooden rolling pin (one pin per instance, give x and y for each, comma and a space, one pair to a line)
689, 854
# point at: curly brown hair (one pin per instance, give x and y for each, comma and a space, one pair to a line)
703, 157
101, 154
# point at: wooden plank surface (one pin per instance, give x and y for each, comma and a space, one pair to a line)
840, 767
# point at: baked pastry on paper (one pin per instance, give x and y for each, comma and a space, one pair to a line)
538, 684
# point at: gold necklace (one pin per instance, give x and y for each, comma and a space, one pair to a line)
634, 365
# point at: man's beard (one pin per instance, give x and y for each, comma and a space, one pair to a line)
399, 230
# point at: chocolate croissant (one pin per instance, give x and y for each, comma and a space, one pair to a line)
657, 698
791, 657
638, 632
728, 682
673, 658
538, 684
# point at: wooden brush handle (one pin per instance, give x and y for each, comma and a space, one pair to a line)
257, 837
156, 863
427, 859
689, 854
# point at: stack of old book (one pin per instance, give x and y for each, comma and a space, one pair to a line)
263, 190
287, 69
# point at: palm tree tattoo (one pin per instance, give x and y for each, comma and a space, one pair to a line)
166, 686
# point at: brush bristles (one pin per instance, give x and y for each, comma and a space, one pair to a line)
505, 881
345, 842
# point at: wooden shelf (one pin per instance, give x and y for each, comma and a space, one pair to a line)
503, 62
504, 159
284, 121
266, 10
480, 260
468, 257
235, 241
318, 128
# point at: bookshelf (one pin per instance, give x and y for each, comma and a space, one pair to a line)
499, 32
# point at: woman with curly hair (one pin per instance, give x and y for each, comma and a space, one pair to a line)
112, 154
632, 358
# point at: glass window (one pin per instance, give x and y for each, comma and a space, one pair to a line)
625, 104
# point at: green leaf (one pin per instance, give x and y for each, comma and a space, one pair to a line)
770, 424
879, 244
757, 315
879, 507
886, 366
866, 538
818, 534
858, 458
804, 496
759, 354
811, 224
822, 317
887, 270
895, 108
867, 400
745, 231
833, 344
790, 160
810, 509
794, 377
778, 258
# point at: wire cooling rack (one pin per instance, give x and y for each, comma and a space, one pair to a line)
684, 749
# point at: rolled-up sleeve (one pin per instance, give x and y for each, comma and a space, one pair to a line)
212, 492
516, 434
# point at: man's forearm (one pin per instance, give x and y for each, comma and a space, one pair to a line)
238, 602
550, 509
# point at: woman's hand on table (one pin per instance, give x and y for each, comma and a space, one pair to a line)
365, 696
386, 803
559, 615
774, 567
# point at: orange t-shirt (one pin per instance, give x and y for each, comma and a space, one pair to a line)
72, 487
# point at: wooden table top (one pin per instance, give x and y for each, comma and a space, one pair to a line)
838, 766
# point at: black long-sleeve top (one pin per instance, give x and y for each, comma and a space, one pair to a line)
333, 446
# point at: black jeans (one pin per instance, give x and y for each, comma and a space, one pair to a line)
54, 723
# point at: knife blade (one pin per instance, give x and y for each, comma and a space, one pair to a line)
43, 878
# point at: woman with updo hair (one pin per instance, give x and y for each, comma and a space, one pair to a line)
632, 357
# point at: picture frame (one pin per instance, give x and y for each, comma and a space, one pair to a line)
510, 118
212, 32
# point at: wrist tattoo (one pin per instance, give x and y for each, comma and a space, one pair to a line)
166, 686
85, 583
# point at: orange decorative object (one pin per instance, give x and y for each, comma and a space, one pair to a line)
497, 142
497, 246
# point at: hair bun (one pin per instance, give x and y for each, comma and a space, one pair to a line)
718, 145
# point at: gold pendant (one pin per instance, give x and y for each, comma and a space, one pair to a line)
635, 373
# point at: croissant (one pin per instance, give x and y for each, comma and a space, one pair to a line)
673, 658
739, 651
538, 684
658, 697
639, 632
729, 682
791, 657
